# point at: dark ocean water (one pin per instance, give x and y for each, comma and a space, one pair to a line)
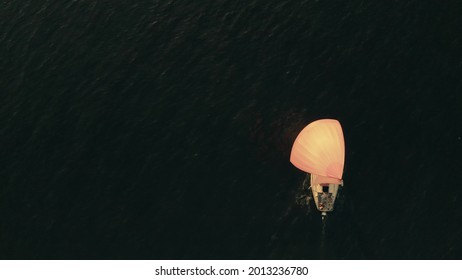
162, 129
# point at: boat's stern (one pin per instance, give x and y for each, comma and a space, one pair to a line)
324, 196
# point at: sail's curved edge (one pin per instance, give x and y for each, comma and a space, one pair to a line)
318, 179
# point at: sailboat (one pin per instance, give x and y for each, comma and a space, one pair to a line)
319, 150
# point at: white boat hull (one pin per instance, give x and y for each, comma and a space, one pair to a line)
324, 195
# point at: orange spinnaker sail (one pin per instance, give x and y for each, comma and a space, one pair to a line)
320, 149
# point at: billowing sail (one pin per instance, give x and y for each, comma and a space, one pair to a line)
320, 149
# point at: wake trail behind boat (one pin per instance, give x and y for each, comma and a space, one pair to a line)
322, 243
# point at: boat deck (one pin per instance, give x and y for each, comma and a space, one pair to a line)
325, 201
